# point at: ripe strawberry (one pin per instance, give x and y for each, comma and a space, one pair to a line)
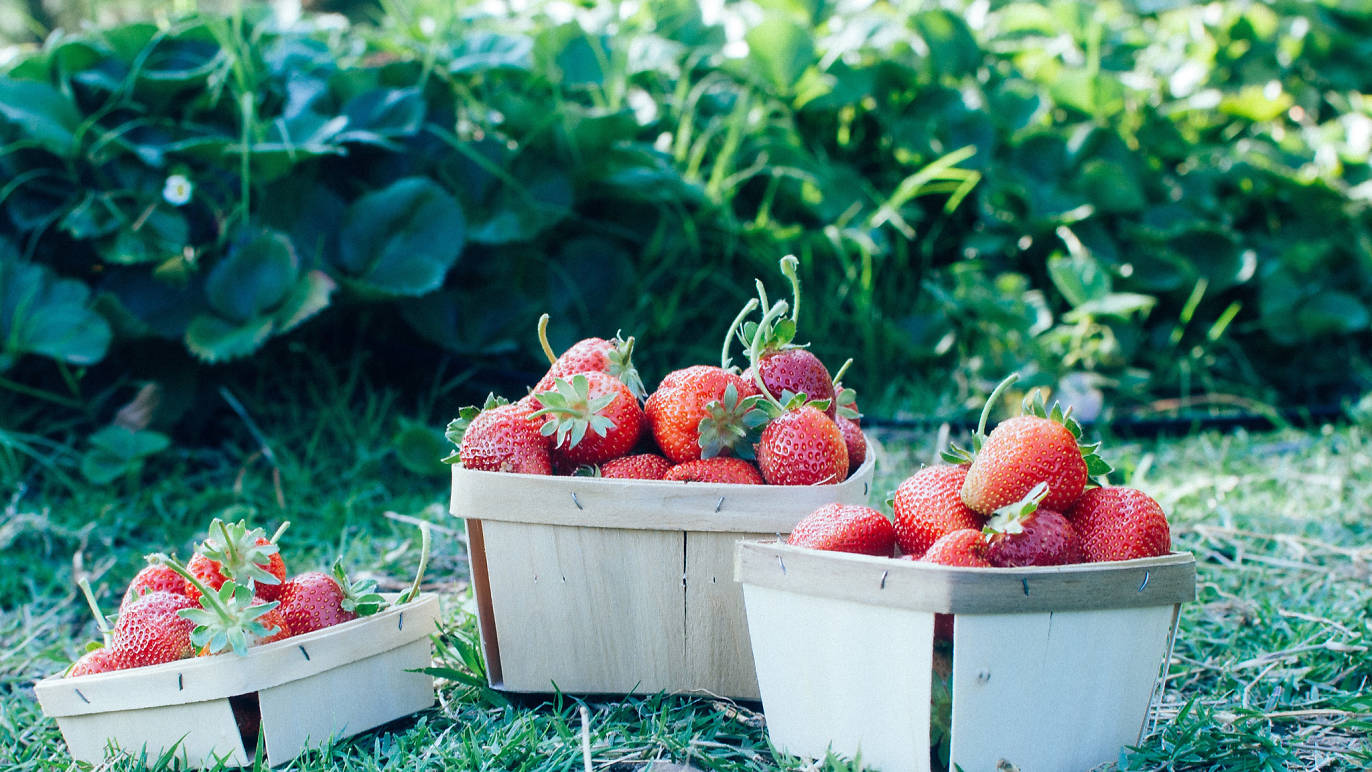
845, 528
614, 357
928, 506
965, 548
701, 412
797, 371
151, 631
235, 552
641, 466
802, 446
1039, 446
592, 417
152, 578
101, 660
500, 437
313, 601
854, 440
1023, 534
720, 469
1118, 523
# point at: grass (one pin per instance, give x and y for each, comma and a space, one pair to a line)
1271, 669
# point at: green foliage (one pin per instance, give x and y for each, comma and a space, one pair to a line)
1169, 199
117, 451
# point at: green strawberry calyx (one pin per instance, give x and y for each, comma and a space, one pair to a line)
1010, 518
457, 428
731, 424
234, 547
360, 598
620, 358
845, 399
227, 618
572, 411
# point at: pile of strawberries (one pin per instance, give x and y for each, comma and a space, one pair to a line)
1024, 495
233, 593
783, 420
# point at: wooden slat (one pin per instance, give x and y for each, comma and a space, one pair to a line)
1161, 581
850, 677
719, 657
646, 504
204, 730
587, 609
1051, 691
481, 589
207, 678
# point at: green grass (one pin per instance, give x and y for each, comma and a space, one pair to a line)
1271, 669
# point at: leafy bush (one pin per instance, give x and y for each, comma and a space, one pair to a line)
1146, 198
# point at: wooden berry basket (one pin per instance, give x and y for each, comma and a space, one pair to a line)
1052, 668
597, 586
303, 692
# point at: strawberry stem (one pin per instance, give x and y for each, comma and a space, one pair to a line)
276, 537
748, 308
175, 565
789, 264
755, 350
838, 376
100, 621
425, 542
543, 339
991, 401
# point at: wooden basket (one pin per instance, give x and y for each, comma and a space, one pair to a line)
1053, 668
303, 691
597, 586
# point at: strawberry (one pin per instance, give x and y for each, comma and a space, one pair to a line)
701, 412
229, 617
101, 660
802, 446
928, 505
1024, 534
315, 600
965, 548
592, 417
151, 579
641, 466
720, 469
614, 357
500, 437
235, 552
1038, 446
273, 619
1118, 523
854, 440
151, 631
845, 528
797, 371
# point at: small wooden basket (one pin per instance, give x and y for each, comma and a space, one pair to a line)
303, 692
597, 586
1053, 668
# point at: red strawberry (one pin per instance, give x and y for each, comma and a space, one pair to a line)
701, 412
592, 417
274, 620
500, 437
1023, 534
232, 551
1040, 446
965, 548
1118, 523
720, 469
797, 371
152, 578
928, 505
614, 357
315, 600
802, 446
101, 660
641, 466
151, 631
845, 528
854, 440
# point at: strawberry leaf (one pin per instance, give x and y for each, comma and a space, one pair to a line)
1010, 518
360, 598
621, 359
730, 424
572, 412
241, 558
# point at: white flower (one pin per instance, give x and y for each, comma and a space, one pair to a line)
178, 190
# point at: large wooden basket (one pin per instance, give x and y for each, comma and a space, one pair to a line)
599, 586
1053, 668
303, 692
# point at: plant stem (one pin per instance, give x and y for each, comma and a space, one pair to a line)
789, 264
839, 375
755, 350
543, 339
733, 330
425, 542
991, 400
100, 620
